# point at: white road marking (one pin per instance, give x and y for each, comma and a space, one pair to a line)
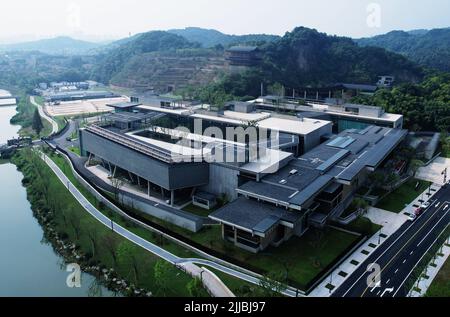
431, 231
387, 290
388, 281
404, 261
396, 271
387, 249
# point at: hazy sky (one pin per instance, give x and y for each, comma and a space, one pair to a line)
26, 19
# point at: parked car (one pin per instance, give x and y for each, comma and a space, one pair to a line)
412, 217
425, 205
419, 211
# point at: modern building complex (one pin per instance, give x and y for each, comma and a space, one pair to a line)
310, 190
344, 116
280, 173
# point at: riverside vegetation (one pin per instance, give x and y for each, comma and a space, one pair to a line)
79, 238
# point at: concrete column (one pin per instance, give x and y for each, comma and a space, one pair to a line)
115, 170
172, 198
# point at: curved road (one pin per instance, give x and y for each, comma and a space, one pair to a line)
42, 113
156, 250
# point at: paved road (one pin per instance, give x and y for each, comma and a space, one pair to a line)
55, 127
156, 250
399, 255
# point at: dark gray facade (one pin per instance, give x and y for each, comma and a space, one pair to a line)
168, 176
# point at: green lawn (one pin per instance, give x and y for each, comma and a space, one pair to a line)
69, 218
441, 284
402, 196
305, 257
142, 232
239, 287
76, 150
363, 226
60, 121
198, 211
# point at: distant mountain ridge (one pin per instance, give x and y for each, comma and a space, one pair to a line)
429, 48
210, 38
58, 45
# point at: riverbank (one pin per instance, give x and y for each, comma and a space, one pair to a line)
24, 118
120, 264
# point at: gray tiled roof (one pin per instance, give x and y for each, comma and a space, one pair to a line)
253, 215
305, 177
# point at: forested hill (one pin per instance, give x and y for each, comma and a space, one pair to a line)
426, 106
210, 38
306, 57
427, 48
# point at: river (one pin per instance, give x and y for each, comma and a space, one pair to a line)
28, 265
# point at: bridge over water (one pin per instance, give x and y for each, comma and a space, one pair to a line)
16, 100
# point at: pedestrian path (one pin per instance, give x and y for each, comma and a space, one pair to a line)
217, 290
211, 281
42, 113
433, 171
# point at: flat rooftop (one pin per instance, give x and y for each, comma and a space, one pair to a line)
294, 125
253, 216
129, 117
265, 120
391, 117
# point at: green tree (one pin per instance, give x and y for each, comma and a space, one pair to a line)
195, 287
415, 165
126, 254
37, 124
163, 271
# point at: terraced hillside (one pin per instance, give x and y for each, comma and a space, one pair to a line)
163, 72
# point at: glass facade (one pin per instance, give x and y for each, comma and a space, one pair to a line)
347, 124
